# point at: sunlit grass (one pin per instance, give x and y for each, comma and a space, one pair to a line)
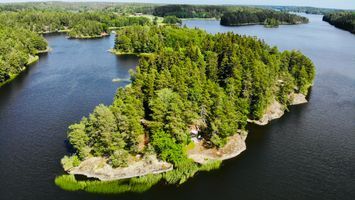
137, 184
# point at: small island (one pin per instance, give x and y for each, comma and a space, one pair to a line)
269, 18
185, 110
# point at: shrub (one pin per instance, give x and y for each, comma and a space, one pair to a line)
119, 158
69, 162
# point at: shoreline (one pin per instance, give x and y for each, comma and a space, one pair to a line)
234, 147
56, 31
121, 180
261, 23
88, 37
200, 19
97, 167
275, 110
119, 53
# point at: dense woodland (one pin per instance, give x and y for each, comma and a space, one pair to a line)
190, 11
231, 15
342, 20
271, 23
172, 20
17, 46
302, 9
188, 77
245, 17
83, 23
123, 8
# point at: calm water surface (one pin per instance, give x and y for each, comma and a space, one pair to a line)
307, 154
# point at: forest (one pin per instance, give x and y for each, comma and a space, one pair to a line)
18, 47
302, 9
190, 11
186, 77
231, 15
342, 20
76, 24
246, 17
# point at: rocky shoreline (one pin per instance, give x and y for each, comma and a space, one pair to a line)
97, 167
235, 145
276, 110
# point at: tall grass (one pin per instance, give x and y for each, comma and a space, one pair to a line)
68, 182
140, 184
211, 165
183, 171
179, 175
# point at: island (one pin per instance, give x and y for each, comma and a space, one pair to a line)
344, 20
269, 18
185, 110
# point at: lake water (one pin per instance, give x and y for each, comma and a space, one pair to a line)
307, 154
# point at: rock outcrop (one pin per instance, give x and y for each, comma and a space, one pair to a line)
276, 110
298, 98
235, 146
273, 111
97, 167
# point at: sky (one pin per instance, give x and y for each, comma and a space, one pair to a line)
341, 4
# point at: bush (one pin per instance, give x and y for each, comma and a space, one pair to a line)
119, 158
209, 166
69, 162
68, 182
172, 20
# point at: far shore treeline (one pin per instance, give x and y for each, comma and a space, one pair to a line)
342, 20
266, 17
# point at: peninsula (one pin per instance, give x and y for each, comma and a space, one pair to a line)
344, 20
